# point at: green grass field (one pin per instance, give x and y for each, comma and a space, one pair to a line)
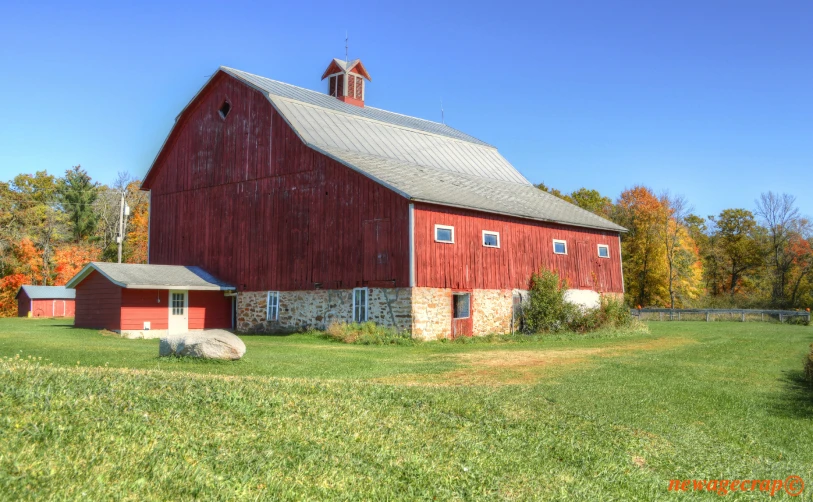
605, 418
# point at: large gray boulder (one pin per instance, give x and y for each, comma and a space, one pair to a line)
211, 344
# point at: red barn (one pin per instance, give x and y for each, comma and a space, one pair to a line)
149, 301
319, 208
45, 301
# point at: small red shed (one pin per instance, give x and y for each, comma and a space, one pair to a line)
149, 301
45, 301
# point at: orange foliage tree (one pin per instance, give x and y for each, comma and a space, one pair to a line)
70, 259
9, 285
643, 249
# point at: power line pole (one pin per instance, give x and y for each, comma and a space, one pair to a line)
124, 211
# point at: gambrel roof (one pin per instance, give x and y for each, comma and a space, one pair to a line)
422, 160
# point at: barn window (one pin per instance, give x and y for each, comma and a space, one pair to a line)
603, 251
224, 110
491, 239
360, 305
559, 247
272, 307
461, 305
444, 233
177, 303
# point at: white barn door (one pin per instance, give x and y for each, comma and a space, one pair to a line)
178, 312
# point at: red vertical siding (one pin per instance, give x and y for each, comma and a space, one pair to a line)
44, 307
140, 305
246, 200
525, 247
23, 304
209, 310
41, 308
98, 303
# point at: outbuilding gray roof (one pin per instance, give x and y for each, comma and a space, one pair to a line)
422, 160
138, 276
47, 292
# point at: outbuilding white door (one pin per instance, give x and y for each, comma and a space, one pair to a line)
178, 312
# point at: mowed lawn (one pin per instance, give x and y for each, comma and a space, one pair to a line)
610, 417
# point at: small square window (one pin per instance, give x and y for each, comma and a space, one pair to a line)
491, 239
444, 233
559, 247
461, 305
603, 251
272, 309
360, 305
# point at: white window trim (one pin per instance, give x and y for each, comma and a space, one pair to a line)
598, 250
490, 232
461, 294
445, 227
366, 304
268, 316
556, 241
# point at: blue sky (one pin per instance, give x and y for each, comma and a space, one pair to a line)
711, 99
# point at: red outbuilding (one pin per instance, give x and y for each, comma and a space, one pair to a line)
149, 301
45, 301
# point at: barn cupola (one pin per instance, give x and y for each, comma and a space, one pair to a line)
345, 80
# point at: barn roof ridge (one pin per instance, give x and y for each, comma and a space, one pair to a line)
148, 276
322, 100
35, 292
387, 124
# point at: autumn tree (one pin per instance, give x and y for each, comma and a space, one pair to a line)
800, 249
737, 241
779, 214
593, 201
643, 250
679, 255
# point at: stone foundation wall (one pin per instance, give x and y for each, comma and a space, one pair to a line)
431, 313
316, 309
424, 312
491, 311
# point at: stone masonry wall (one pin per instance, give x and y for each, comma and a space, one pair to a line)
316, 309
424, 312
491, 311
431, 313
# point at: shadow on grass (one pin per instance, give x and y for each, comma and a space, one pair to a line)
796, 399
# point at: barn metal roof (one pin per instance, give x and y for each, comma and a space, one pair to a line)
47, 292
326, 102
138, 276
420, 159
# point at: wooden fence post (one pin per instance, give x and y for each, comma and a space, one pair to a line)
707, 316
743, 316
661, 316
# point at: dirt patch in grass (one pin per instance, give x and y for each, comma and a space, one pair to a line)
505, 367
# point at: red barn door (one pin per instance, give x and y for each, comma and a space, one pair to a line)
377, 251
461, 314
583, 264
